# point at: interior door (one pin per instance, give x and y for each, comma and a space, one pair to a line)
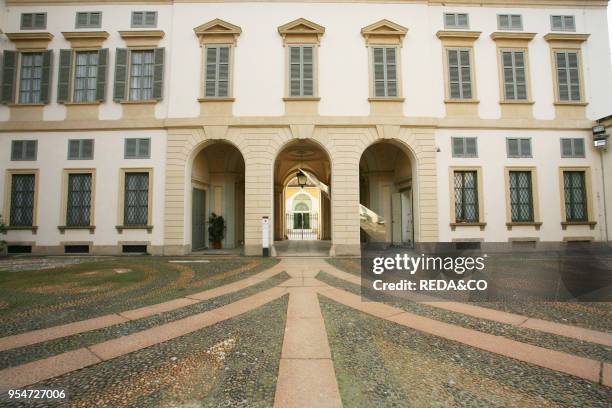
396, 218
198, 219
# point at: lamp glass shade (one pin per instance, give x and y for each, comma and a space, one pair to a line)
301, 179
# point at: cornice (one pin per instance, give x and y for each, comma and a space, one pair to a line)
141, 38
83, 39
566, 37
458, 35
31, 40
504, 35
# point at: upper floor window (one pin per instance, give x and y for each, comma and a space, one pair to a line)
82, 76
33, 21
88, 19
572, 147
459, 73
217, 71
301, 70
563, 23
509, 22
144, 19
141, 72
137, 148
518, 147
80, 149
568, 76
34, 78
456, 20
24, 150
385, 71
464, 147
515, 78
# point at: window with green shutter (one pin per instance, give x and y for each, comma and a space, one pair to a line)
78, 205
24, 150
22, 200
137, 148
30, 83
518, 147
572, 148
85, 76
574, 186
80, 149
385, 71
459, 73
141, 75
515, 80
464, 147
301, 70
521, 196
466, 196
217, 71
568, 76
136, 200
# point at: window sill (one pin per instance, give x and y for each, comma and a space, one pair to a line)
516, 102
63, 228
559, 103
143, 102
565, 224
472, 101
301, 98
389, 99
454, 225
120, 228
535, 224
211, 99
32, 228
25, 105
95, 103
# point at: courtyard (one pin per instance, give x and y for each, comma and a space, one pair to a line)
219, 331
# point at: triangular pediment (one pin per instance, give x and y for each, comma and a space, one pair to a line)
384, 27
301, 26
216, 27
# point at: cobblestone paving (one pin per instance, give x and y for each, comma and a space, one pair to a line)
38, 299
38, 351
537, 338
381, 364
231, 364
590, 315
29, 263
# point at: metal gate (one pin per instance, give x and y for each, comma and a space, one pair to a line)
302, 226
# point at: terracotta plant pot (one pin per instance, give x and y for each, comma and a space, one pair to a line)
216, 245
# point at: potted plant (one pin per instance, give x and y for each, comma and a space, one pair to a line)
216, 230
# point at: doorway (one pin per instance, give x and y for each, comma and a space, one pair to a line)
198, 219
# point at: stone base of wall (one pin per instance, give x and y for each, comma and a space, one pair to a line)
94, 250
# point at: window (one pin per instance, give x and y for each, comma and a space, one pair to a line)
568, 77
217, 71
89, 19
144, 19
456, 20
85, 76
31, 77
562, 23
24, 150
80, 149
22, 200
301, 71
518, 147
137, 148
141, 75
515, 81
459, 74
33, 21
574, 187
572, 147
509, 22
136, 200
464, 147
78, 207
385, 71
466, 197
521, 196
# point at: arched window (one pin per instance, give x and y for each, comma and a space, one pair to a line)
302, 203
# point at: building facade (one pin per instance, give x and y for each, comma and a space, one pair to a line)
123, 125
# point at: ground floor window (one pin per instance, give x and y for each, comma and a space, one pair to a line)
78, 208
521, 196
136, 207
574, 185
22, 200
466, 196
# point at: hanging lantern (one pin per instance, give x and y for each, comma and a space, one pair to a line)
301, 179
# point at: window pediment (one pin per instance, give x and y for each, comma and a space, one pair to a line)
301, 31
142, 38
85, 39
30, 41
217, 31
384, 31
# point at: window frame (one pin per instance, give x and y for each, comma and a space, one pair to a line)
88, 25
23, 150
563, 25
230, 76
535, 200
138, 141
121, 201
449, 98
590, 221
578, 52
8, 198
44, 27
315, 60
80, 156
73, 75
464, 155
520, 154
64, 204
143, 25
128, 84
480, 197
19, 79
511, 27
456, 26
502, 78
573, 155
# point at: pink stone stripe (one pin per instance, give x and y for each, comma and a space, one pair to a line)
40, 370
551, 359
579, 333
606, 374
70, 329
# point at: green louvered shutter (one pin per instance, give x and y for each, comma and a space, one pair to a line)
45, 81
121, 72
101, 80
158, 73
9, 69
63, 77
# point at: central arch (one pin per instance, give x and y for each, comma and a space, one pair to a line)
302, 213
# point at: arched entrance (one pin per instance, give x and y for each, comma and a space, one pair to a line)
386, 186
302, 205
217, 186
